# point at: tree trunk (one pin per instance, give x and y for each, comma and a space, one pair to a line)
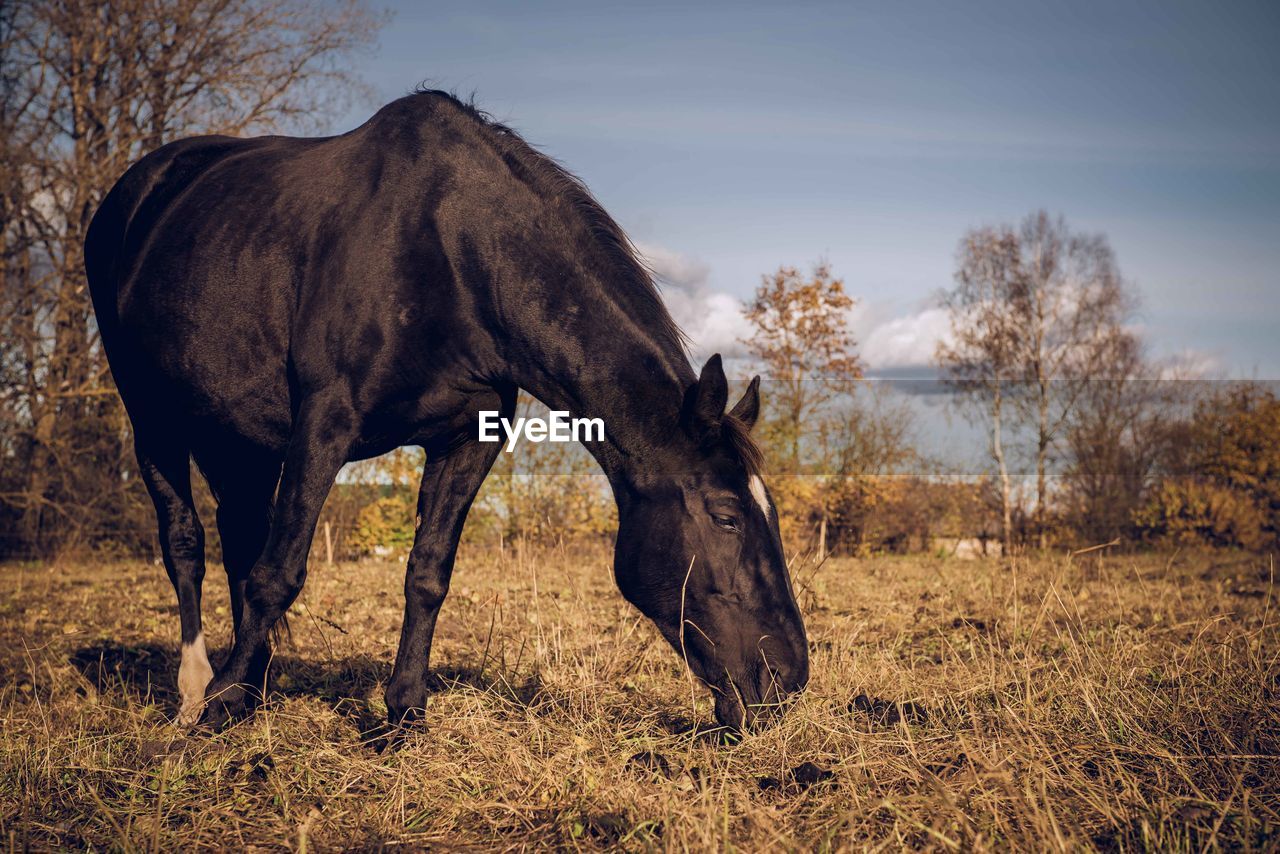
1042, 453
997, 451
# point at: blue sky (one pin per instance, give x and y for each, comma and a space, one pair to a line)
729, 139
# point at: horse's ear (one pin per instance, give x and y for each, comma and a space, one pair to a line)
747, 410
705, 402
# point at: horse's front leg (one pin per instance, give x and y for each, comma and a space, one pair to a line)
324, 431
449, 485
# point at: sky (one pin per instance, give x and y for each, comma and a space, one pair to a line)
729, 139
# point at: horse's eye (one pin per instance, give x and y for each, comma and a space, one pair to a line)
729, 523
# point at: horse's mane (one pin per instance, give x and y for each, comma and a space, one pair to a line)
531, 165
738, 436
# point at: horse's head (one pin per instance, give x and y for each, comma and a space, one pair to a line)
699, 553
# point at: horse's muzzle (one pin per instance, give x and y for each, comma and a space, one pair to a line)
761, 701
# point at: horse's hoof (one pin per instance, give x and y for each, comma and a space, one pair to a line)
189, 715
214, 717
406, 704
223, 706
409, 718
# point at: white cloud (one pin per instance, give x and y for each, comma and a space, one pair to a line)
904, 342
674, 268
712, 320
912, 341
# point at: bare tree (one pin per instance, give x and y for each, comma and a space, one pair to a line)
981, 360
1074, 308
1122, 427
1037, 314
89, 86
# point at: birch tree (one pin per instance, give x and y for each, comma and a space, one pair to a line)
1038, 312
980, 361
1073, 310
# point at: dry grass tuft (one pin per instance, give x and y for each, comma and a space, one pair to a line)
1107, 702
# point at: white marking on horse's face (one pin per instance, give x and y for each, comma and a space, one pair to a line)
756, 485
194, 675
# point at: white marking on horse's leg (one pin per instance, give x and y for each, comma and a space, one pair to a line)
194, 675
756, 485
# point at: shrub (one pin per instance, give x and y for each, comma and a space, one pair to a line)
1189, 511
387, 523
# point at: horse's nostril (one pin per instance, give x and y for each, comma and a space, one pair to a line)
800, 677
790, 679
777, 684
772, 685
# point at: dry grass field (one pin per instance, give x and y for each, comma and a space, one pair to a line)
1108, 702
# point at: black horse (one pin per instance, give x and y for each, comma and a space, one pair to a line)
275, 307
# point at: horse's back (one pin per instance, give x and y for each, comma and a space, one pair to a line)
243, 272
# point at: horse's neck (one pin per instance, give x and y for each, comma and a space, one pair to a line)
603, 362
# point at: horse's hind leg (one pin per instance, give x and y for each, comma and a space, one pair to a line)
243, 484
166, 469
324, 431
243, 487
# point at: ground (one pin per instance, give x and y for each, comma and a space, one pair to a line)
1096, 701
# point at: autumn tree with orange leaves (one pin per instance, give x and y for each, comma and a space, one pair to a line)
803, 345
802, 340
